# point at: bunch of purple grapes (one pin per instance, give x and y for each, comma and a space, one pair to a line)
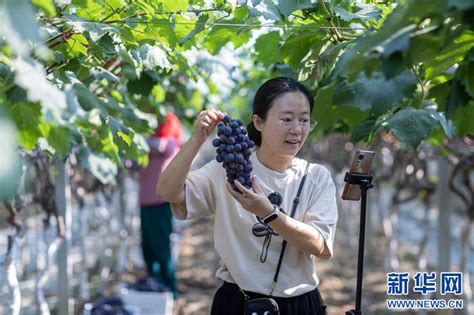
148, 284
110, 306
233, 151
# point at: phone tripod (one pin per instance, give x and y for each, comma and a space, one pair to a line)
364, 181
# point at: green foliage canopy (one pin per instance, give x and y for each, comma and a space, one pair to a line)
90, 76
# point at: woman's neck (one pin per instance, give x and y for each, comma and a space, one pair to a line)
273, 162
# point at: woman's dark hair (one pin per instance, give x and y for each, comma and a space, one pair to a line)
267, 93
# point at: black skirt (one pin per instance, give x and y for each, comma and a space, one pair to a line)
229, 300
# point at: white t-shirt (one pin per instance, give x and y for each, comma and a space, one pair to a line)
234, 242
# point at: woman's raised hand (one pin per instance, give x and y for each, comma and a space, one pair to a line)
205, 123
252, 200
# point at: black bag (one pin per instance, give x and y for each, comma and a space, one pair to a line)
262, 306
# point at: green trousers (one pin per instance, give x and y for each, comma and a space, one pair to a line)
156, 227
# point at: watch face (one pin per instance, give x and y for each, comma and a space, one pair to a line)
271, 218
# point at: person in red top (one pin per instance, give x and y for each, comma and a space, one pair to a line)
156, 215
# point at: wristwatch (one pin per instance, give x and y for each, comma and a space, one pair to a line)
272, 216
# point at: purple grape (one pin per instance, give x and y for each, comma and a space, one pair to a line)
220, 128
231, 140
248, 168
216, 142
228, 131
229, 157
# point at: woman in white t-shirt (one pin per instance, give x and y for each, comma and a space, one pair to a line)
280, 125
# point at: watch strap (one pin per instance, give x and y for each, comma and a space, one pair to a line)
272, 216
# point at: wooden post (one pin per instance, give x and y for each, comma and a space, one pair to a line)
64, 204
444, 208
444, 226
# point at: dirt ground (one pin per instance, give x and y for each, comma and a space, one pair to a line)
198, 263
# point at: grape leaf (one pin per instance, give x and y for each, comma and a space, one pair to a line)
175, 5
60, 139
10, 169
27, 118
457, 97
119, 130
241, 13
268, 10
31, 76
424, 46
153, 56
301, 45
46, 5
364, 129
463, 119
267, 48
100, 166
465, 73
361, 11
221, 35
376, 92
447, 125
411, 125
87, 99
77, 45
461, 4
450, 55
199, 27
332, 117
410, 12
95, 29
142, 86
288, 6
18, 25
397, 42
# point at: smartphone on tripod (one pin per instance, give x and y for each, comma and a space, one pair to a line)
360, 164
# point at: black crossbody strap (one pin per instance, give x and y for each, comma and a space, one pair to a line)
296, 201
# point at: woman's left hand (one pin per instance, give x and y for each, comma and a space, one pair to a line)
252, 200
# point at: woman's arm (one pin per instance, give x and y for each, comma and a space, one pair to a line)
170, 186
301, 235
298, 234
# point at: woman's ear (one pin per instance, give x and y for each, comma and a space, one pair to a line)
257, 122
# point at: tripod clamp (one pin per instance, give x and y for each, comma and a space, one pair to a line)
361, 179
365, 182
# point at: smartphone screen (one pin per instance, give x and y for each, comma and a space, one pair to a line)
360, 164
